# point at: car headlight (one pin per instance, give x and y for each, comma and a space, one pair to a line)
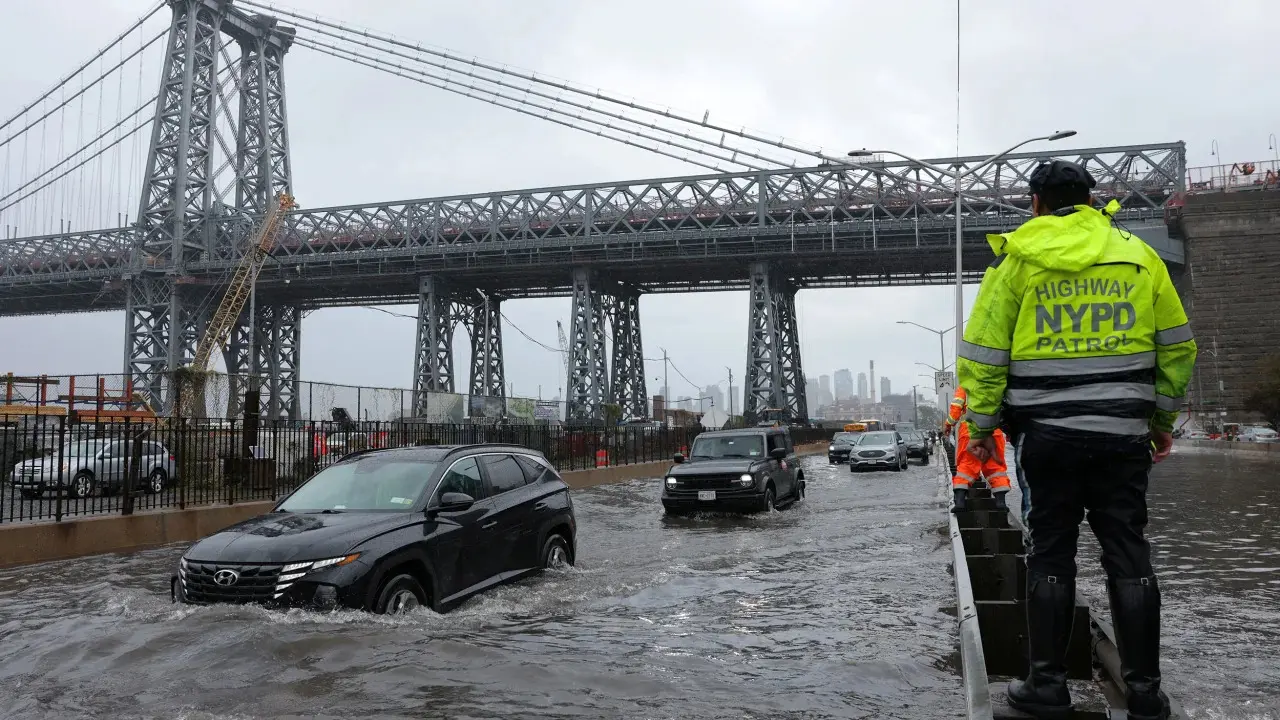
830, 448
671, 482
746, 479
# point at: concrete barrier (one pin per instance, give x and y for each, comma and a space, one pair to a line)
1253, 448
34, 542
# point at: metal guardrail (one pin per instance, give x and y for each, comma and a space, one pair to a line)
973, 663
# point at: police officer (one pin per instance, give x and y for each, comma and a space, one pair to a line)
1079, 339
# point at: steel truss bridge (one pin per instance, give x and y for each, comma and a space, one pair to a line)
770, 231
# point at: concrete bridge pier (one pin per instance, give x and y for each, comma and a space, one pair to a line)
774, 378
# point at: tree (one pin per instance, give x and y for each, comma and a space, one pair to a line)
930, 416
1265, 398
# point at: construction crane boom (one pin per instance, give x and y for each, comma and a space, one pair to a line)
242, 282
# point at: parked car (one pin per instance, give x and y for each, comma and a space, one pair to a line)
841, 444
880, 449
1259, 435
917, 446
389, 530
742, 470
84, 465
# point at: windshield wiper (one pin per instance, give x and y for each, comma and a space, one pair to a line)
331, 511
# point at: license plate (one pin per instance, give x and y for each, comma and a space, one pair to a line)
706, 494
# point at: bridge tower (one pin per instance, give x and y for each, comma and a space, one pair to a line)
627, 383
774, 376
441, 308
182, 218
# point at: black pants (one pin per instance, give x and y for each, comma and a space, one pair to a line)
1069, 477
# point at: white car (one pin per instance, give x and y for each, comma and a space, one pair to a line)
1259, 435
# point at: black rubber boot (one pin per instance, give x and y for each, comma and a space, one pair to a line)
961, 496
1135, 612
999, 496
1051, 605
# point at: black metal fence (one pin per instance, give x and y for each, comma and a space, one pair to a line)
52, 468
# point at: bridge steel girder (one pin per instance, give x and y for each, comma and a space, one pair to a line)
433, 362
587, 388
488, 378
774, 377
885, 202
627, 382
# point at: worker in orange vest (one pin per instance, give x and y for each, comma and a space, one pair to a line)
968, 466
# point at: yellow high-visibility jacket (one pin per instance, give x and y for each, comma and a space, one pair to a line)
1077, 325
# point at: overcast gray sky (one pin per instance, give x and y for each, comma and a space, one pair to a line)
839, 74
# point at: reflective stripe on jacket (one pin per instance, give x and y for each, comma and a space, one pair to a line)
1076, 325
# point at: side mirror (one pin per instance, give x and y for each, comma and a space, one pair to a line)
455, 502
677, 458
778, 453
901, 441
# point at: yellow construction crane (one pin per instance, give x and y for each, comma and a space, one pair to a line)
246, 274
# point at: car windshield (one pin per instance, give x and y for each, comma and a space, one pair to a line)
846, 437
876, 438
728, 446
372, 482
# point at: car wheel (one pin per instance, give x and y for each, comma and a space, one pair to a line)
157, 481
897, 466
800, 488
555, 553
399, 595
82, 485
766, 505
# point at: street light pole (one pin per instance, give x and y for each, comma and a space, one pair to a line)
957, 177
942, 350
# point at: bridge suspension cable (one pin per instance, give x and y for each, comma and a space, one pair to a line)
68, 100
5, 204
400, 72
523, 91
309, 22
522, 106
58, 85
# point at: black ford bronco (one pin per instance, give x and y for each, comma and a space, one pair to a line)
743, 470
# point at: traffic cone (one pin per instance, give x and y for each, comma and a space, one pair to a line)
602, 458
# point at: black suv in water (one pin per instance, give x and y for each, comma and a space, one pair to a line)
390, 530
747, 470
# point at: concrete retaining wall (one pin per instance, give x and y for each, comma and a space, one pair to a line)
25, 543
1231, 293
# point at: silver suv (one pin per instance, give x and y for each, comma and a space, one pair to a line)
81, 466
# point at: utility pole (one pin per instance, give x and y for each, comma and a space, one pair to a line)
915, 406
726, 367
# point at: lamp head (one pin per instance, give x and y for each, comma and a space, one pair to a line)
1062, 134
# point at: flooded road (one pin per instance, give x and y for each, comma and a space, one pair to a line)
830, 609
1215, 536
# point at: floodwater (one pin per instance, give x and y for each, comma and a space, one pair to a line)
1215, 535
833, 608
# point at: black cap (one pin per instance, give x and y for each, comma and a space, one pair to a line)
1060, 174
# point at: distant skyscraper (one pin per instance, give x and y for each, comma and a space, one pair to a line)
862, 387
812, 393
824, 381
844, 384
873, 382
715, 397
686, 403
884, 388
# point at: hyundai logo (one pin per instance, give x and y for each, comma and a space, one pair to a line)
226, 577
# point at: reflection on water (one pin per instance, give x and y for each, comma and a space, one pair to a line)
830, 609
1215, 533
